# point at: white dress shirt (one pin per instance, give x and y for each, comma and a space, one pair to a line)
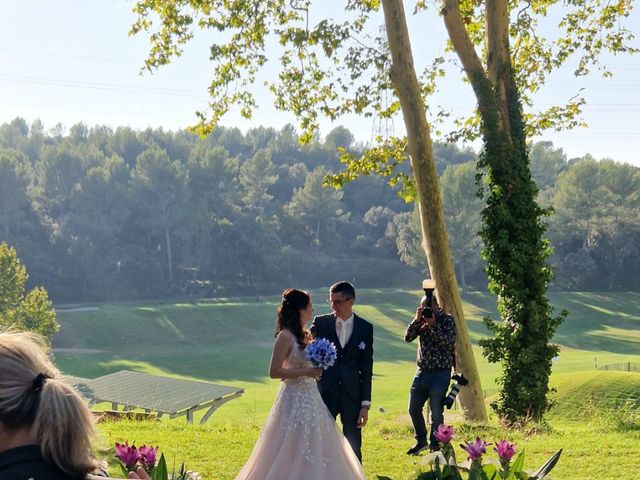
344, 329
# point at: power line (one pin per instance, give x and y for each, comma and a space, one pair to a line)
97, 86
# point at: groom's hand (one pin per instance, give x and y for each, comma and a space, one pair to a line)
363, 417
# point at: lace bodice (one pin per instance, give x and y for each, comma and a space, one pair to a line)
296, 359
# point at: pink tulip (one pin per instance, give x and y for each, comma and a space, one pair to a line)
444, 434
505, 450
475, 449
148, 455
127, 454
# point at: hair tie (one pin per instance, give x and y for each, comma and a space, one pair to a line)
38, 382
285, 302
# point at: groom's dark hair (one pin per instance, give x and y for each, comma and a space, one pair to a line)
343, 287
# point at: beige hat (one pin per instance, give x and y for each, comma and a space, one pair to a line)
428, 284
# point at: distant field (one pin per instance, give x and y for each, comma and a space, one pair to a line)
229, 340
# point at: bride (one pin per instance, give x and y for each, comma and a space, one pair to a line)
300, 438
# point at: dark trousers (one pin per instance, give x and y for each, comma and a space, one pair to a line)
429, 385
349, 411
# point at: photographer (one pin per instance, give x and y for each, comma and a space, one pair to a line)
437, 333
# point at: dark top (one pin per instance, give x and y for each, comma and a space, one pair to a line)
25, 463
353, 369
436, 343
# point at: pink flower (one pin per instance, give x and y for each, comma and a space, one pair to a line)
505, 450
444, 434
148, 455
127, 454
475, 449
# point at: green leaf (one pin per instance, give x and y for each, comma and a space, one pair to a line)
547, 467
518, 463
489, 472
160, 472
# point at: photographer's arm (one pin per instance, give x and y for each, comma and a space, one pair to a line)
415, 327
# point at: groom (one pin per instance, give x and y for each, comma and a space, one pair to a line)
346, 386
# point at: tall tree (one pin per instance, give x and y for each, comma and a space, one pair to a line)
98, 209
462, 212
513, 228
308, 89
257, 176
159, 187
318, 211
404, 229
16, 176
596, 224
547, 163
214, 193
502, 79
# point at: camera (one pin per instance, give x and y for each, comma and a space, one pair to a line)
428, 286
461, 381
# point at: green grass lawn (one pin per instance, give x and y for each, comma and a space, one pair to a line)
229, 341
599, 442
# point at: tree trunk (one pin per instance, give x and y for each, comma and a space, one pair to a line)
512, 227
167, 240
498, 58
463, 279
434, 234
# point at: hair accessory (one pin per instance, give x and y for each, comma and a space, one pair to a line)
285, 301
38, 382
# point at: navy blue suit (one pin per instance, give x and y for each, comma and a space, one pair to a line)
346, 384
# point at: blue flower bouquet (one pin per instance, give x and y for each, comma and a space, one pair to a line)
321, 353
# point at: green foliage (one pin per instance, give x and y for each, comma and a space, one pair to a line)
597, 205
317, 210
101, 214
16, 174
19, 309
516, 254
462, 213
334, 67
102, 236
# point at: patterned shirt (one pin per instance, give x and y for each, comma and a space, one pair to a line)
436, 343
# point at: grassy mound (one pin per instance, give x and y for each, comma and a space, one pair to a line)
580, 395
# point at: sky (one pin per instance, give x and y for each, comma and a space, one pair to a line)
72, 61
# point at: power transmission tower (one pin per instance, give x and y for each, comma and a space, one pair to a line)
383, 127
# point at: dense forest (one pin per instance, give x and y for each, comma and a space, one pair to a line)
102, 214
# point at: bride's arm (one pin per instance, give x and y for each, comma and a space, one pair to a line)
281, 349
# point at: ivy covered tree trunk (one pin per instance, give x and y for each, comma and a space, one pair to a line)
513, 227
434, 233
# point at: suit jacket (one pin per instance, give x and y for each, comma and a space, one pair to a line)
353, 369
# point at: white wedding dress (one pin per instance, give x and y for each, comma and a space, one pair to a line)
300, 440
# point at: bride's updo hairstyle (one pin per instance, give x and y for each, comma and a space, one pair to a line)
293, 301
32, 395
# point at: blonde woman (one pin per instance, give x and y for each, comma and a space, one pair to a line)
45, 427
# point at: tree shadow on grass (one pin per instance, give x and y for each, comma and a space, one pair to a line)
231, 343
600, 322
